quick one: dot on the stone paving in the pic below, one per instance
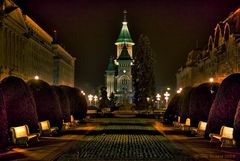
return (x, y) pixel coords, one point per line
(124, 139)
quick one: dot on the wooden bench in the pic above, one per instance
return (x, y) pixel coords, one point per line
(73, 122)
(177, 123)
(46, 129)
(200, 130)
(91, 113)
(187, 125)
(21, 135)
(66, 125)
(225, 137)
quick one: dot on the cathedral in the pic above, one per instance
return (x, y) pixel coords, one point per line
(118, 73)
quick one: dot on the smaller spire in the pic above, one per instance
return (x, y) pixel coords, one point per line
(125, 16)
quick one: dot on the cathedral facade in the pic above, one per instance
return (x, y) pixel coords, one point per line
(26, 50)
(118, 73)
(219, 59)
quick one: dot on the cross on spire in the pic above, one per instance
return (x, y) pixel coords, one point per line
(125, 15)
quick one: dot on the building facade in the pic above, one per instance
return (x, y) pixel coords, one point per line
(218, 60)
(118, 74)
(26, 50)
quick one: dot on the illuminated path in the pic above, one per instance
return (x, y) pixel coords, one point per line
(124, 139)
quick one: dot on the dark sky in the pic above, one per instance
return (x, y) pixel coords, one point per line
(89, 28)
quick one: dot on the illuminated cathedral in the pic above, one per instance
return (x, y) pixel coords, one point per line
(118, 73)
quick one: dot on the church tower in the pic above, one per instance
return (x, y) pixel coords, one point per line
(124, 38)
(118, 74)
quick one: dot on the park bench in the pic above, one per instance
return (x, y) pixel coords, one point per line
(46, 129)
(177, 123)
(91, 112)
(186, 126)
(66, 125)
(21, 135)
(225, 137)
(73, 122)
(200, 130)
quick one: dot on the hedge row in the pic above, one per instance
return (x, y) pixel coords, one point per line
(27, 103)
(219, 105)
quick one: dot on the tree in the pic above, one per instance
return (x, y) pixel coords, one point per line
(20, 104)
(78, 102)
(200, 102)
(4, 124)
(225, 104)
(64, 102)
(112, 102)
(104, 101)
(143, 68)
(47, 102)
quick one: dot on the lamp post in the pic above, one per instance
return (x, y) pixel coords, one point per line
(83, 93)
(211, 80)
(90, 98)
(158, 96)
(167, 95)
(95, 100)
(36, 77)
(179, 90)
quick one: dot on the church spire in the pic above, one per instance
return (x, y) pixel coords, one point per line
(124, 36)
(125, 16)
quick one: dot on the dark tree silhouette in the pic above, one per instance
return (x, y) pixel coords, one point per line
(225, 104)
(143, 73)
(78, 103)
(64, 102)
(112, 102)
(201, 101)
(47, 103)
(3, 124)
(20, 104)
(104, 101)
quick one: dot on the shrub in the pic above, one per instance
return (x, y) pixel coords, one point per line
(225, 104)
(47, 103)
(184, 102)
(20, 104)
(200, 102)
(172, 110)
(4, 124)
(78, 103)
(64, 103)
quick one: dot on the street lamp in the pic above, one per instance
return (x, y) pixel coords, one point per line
(90, 98)
(158, 96)
(95, 99)
(83, 93)
(167, 95)
(179, 90)
(211, 80)
(36, 77)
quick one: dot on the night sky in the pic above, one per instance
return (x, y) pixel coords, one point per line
(88, 30)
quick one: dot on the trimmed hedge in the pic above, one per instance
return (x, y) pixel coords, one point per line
(64, 102)
(47, 103)
(20, 104)
(78, 103)
(3, 124)
(225, 104)
(236, 125)
(172, 110)
(200, 102)
(184, 103)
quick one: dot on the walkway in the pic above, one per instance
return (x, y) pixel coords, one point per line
(125, 139)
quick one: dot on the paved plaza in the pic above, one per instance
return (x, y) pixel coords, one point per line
(125, 139)
(122, 139)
